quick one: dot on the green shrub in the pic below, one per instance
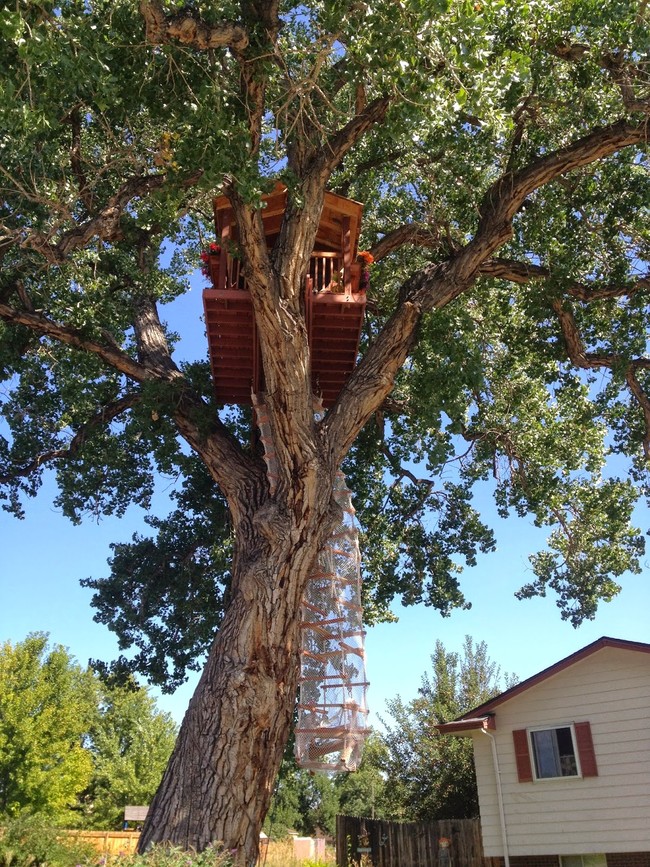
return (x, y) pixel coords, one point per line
(170, 856)
(31, 841)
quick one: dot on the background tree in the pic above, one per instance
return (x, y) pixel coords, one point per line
(284, 811)
(319, 803)
(500, 151)
(130, 742)
(365, 793)
(302, 801)
(75, 748)
(307, 803)
(429, 776)
(47, 703)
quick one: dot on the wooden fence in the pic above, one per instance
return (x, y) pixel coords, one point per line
(410, 844)
(108, 843)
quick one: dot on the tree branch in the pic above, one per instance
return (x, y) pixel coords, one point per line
(276, 287)
(253, 80)
(576, 349)
(300, 222)
(411, 233)
(579, 356)
(524, 272)
(623, 74)
(622, 71)
(196, 422)
(235, 472)
(106, 415)
(506, 196)
(85, 192)
(267, 12)
(104, 225)
(153, 349)
(642, 399)
(45, 327)
(437, 285)
(330, 155)
(190, 30)
(525, 110)
(343, 187)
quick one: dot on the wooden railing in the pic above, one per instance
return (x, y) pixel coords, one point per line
(225, 272)
(326, 273)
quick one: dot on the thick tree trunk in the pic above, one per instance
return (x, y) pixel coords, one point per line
(219, 781)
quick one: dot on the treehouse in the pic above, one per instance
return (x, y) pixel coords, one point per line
(335, 300)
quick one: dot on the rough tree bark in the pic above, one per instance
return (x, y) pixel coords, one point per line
(220, 778)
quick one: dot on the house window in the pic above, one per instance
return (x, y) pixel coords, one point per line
(551, 753)
(554, 752)
(583, 861)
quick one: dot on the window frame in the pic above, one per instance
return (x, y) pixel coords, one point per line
(524, 759)
(533, 754)
(591, 856)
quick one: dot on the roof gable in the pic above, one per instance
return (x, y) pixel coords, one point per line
(328, 236)
(600, 643)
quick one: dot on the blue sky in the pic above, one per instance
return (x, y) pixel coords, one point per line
(45, 556)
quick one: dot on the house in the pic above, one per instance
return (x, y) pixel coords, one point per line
(563, 761)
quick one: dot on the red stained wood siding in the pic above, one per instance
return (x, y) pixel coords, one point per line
(334, 306)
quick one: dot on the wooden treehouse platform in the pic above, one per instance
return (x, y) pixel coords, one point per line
(334, 302)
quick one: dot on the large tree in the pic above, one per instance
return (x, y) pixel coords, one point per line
(430, 776)
(130, 742)
(47, 706)
(499, 150)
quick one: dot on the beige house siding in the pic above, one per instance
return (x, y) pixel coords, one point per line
(609, 813)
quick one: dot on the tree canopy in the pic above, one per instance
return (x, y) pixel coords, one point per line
(430, 776)
(130, 742)
(500, 152)
(74, 748)
(532, 379)
(47, 703)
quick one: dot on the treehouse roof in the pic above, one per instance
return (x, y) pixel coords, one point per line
(330, 227)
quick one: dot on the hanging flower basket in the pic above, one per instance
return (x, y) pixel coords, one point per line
(210, 259)
(364, 261)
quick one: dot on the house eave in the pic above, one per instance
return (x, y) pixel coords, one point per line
(464, 727)
(579, 655)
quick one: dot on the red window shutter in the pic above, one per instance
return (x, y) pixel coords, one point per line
(586, 752)
(522, 756)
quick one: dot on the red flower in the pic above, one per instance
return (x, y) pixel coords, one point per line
(366, 257)
(213, 250)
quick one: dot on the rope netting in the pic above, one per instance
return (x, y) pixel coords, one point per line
(332, 711)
